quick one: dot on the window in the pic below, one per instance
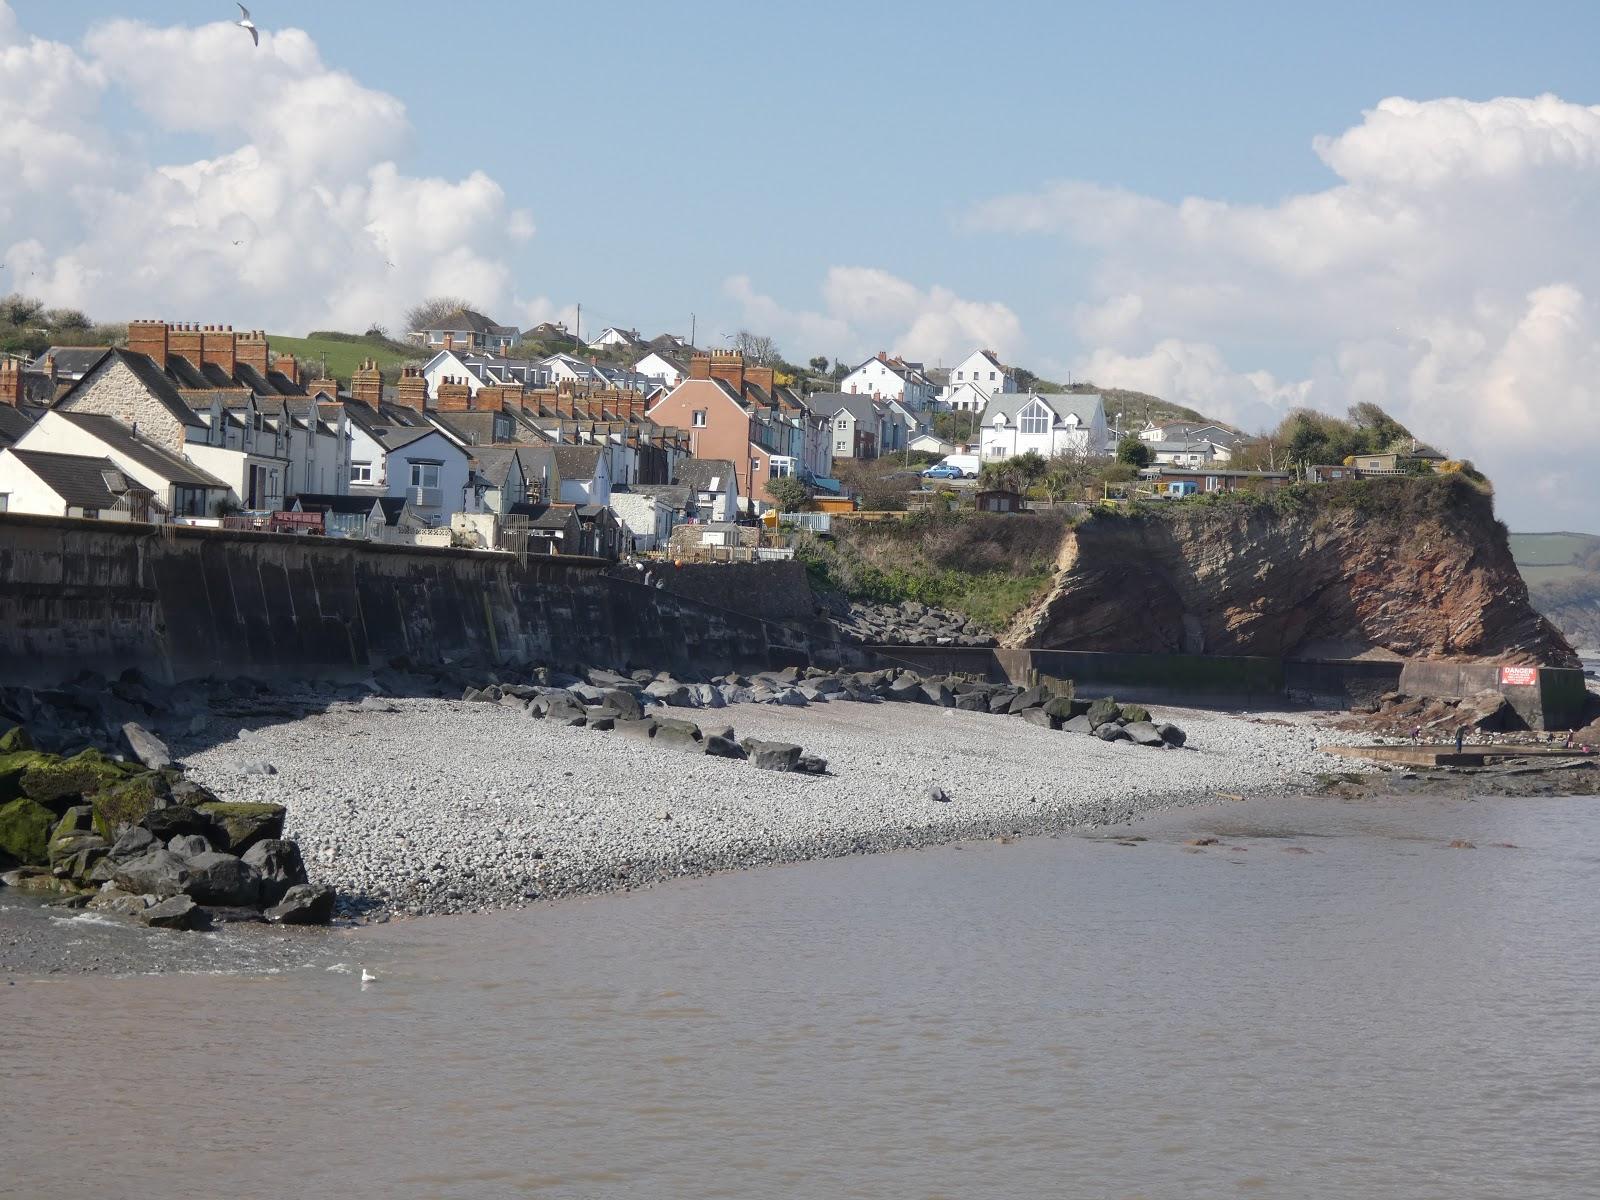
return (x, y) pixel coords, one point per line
(958, 374)
(1035, 421)
(698, 419)
(991, 375)
(188, 501)
(360, 472)
(5, 501)
(425, 474)
(841, 447)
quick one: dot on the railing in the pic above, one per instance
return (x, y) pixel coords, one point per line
(425, 497)
(814, 522)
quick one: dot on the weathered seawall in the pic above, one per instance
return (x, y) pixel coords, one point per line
(1418, 568)
(180, 603)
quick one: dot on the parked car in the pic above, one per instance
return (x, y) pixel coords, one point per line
(967, 464)
(943, 471)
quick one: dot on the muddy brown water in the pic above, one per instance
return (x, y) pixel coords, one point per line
(1382, 1016)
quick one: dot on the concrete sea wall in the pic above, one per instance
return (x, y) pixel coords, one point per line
(180, 603)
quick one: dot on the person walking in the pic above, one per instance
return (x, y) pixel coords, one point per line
(1461, 737)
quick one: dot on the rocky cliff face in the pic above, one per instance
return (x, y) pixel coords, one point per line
(1416, 568)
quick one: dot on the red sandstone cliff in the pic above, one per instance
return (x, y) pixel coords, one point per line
(1416, 567)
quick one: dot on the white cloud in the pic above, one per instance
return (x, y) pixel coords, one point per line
(866, 309)
(300, 218)
(1450, 273)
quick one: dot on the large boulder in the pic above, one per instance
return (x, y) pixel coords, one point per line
(15, 739)
(278, 864)
(1033, 697)
(624, 704)
(1103, 711)
(644, 727)
(146, 746)
(25, 827)
(679, 735)
(907, 690)
(134, 842)
(1039, 717)
(189, 845)
(1064, 708)
(1134, 713)
(937, 693)
(772, 756)
(240, 826)
(718, 746)
(1078, 724)
(57, 782)
(176, 912)
(1111, 732)
(128, 802)
(1144, 733)
(216, 878)
(1172, 735)
(168, 823)
(304, 904)
(157, 873)
(670, 692)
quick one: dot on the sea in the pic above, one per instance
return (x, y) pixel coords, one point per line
(1394, 998)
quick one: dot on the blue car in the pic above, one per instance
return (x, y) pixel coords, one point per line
(943, 472)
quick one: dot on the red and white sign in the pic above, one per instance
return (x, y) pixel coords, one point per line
(1519, 676)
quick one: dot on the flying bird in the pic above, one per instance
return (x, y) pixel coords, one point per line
(247, 24)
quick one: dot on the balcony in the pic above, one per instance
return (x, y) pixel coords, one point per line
(425, 497)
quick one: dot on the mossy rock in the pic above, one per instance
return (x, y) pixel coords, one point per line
(57, 779)
(16, 739)
(12, 768)
(128, 802)
(1064, 708)
(25, 827)
(241, 826)
(1102, 711)
(76, 820)
(1133, 713)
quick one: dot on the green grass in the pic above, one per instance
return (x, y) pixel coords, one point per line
(345, 352)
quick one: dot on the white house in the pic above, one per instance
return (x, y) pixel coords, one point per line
(647, 519)
(713, 486)
(612, 336)
(983, 370)
(657, 365)
(180, 485)
(964, 397)
(477, 369)
(468, 330)
(73, 485)
(885, 378)
(419, 463)
(1015, 423)
(585, 474)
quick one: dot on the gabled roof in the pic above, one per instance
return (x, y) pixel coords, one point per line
(119, 439)
(71, 360)
(80, 481)
(674, 495)
(398, 438)
(577, 462)
(466, 320)
(389, 506)
(14, 422)
(494, 463)
(859, 406)
(1083, 405)
(147, 373)
(547, 516)
(706, 474)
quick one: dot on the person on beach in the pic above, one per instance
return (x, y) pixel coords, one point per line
(1416, 735)
(1461, 737)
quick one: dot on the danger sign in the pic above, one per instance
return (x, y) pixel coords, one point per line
(1519, 676)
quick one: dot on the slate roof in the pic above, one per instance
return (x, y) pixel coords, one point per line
(1083, 405)
(119, 439)
(391, 506)
(74, 361)
(466, 320)
(78, 479)
(828, 404)
(547, 516)
(398, 438)
(14, 422)
(494, 463)
(674, 495)
(577, 462)
(706, 474)
(146, 372)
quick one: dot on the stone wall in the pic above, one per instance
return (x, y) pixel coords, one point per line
(180, 602)
(773, 591)
(112, 390)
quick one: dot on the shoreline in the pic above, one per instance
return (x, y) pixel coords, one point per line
(436, 807)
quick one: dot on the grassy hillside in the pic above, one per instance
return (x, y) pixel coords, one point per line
(1137, 407)
(988, 566)
(1562, 571)
(345, 352)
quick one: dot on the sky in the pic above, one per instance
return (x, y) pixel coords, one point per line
(1242, 207)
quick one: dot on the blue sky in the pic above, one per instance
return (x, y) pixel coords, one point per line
(1131, 193)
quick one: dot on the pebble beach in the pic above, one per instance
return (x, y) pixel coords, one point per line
(441, 806)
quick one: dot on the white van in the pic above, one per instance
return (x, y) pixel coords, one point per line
(967, 464)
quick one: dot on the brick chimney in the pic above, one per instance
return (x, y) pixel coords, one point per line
(494, 399)
(412, 390)
(728, 366)
(453, 395)
(184, 340)
(10, 382)
(323, 387)
(700, 366)
(883, 356)
(366, 384)
(219, 347)
(286, 366)
(251, 349)
(762, 377)
(149, 337)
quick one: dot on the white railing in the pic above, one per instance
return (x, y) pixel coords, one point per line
(815, 522)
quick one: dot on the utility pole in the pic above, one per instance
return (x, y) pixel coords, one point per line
(578, 334)
(692, 320)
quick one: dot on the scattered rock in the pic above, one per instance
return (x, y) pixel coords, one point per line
(937, 795)
(241, 826)
(178, 912)
(304, 904)
(146, 746)
(1143, 733)
(25, 827)
(158, 873)
(772, 756)
(278, 865)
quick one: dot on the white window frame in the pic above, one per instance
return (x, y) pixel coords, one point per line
(422, 468)
(1034, 421)
(360, 472)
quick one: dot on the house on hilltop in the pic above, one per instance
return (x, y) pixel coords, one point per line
(466, 329)
(1048, 424)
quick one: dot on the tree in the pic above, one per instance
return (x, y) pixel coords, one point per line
(432, 310)
(788, 493)
(819, 365)
(378, 331)
(757, 347)
(1134, 451)
(17, 309)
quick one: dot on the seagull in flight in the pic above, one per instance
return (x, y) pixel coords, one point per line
(247, 24)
